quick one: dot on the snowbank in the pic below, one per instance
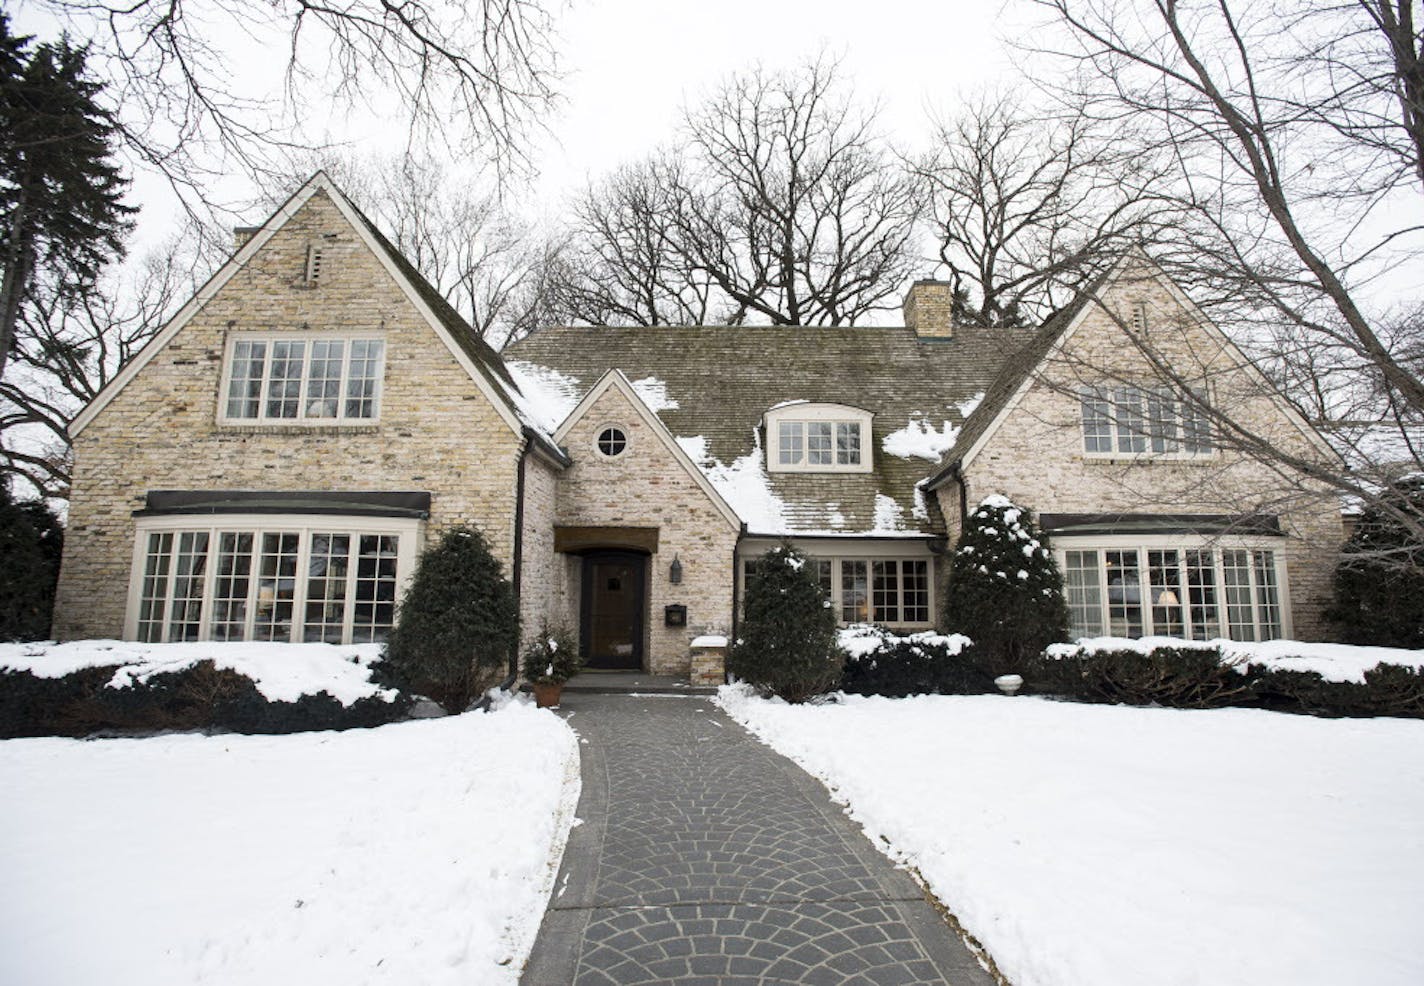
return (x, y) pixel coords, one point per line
(421, 852)
(1333, 662)
(1112, 846)
(282, 672)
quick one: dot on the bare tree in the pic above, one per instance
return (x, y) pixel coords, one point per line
(1295, 133)
(781, 205)
(1025, 209)
(472, 74)
(459, 232)
(71, 344)
(623, 263)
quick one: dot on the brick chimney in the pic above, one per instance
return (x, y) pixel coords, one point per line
(929, 309)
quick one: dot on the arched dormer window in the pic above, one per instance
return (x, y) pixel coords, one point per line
(807, 437)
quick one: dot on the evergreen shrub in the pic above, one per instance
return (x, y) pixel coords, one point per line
(1379, 581)
(551, 656)
(459, 624)
(1004, 591)
(787, 641)
(199, 697)
(918, 664)
(31, 542)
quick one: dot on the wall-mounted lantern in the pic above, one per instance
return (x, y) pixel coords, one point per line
(675, 571)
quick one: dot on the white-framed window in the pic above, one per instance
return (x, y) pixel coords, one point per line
(302, 378)
(286, 578)
(1169, 589)
(805, 437)
(1126, 420)
(890, 591)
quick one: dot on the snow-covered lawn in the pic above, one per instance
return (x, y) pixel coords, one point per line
(1090, 845)
(420, 852)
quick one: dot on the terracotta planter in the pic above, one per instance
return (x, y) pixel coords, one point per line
(546, 694)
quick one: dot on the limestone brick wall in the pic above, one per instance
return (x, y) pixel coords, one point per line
(544, 592)
(647, 487)
(1036, 458)
(436, 431)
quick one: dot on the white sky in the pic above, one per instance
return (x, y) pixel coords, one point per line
(629, 66)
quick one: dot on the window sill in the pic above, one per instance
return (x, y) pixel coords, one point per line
(1148, 458)
(348, 428)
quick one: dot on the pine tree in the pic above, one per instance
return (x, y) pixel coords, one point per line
(787, 643)
(1005, 591)
(31, 541)
(458, 625)
(60, 191)
(1379, 582)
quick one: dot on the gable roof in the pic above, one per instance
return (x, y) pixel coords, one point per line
(1017, 373)
(472, 352)
(615, 380)
(721, 380)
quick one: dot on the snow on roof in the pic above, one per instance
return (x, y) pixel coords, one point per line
(544, 396)
(696, 448)
(919, 439)
(966, 408)
(889, 515)
(747, 490)
(654, 394)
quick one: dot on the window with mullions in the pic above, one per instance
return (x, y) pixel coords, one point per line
(269, 585)
(1197, 593)
(893, 591)
(1154, 421)
(294, 379)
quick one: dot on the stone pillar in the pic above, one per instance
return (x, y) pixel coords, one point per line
(709, 660)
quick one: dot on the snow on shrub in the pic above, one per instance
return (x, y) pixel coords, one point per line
(787, 645)
(879, 662)
(1283, 675)
(1005, 591)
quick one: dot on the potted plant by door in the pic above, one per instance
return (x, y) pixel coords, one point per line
(550, 659)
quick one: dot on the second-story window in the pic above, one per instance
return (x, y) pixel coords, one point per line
(1154, 421)
(292, 378)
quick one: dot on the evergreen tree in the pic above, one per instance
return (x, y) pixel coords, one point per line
(31, 541)
(1379, 582)
(458, 625)
(60, 192)
(787, 643)
(1005, 591)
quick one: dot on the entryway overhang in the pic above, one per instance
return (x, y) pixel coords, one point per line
(577, 540)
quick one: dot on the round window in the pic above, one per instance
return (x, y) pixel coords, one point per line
(612, 441)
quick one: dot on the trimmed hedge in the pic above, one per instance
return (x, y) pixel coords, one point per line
(920, 664)
(198, 697)
(1202, 678)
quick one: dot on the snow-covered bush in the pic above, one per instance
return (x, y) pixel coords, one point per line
(787, 645)
(199, 695)
(458, 626)
(1198, 675)
(1379, 582)
(551, 656)
(1005, 591)
(879, 662)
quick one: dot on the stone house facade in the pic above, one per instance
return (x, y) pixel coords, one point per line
(272, 464)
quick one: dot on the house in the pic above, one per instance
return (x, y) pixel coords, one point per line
(271, 464)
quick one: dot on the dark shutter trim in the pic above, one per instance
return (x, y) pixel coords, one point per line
(406, 504)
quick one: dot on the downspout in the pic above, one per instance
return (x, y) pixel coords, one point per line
(516, 569)
(737, 582)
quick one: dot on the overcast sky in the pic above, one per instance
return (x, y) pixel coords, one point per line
(629, 65)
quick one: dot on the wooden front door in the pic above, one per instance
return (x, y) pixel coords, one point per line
(613, 610)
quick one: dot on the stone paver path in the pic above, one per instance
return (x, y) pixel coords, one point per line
(704, 857)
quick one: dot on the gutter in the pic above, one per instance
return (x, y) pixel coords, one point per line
(516, 566)
(737, 583)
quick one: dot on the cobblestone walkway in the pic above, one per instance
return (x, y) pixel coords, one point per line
(704, 857)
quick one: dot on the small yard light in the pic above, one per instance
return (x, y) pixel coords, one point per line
(675, 571)
(1009, 684)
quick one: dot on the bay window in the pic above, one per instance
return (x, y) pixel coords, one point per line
(270, 578)
(1197, 593)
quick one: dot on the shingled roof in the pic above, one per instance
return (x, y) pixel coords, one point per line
(723, 379)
